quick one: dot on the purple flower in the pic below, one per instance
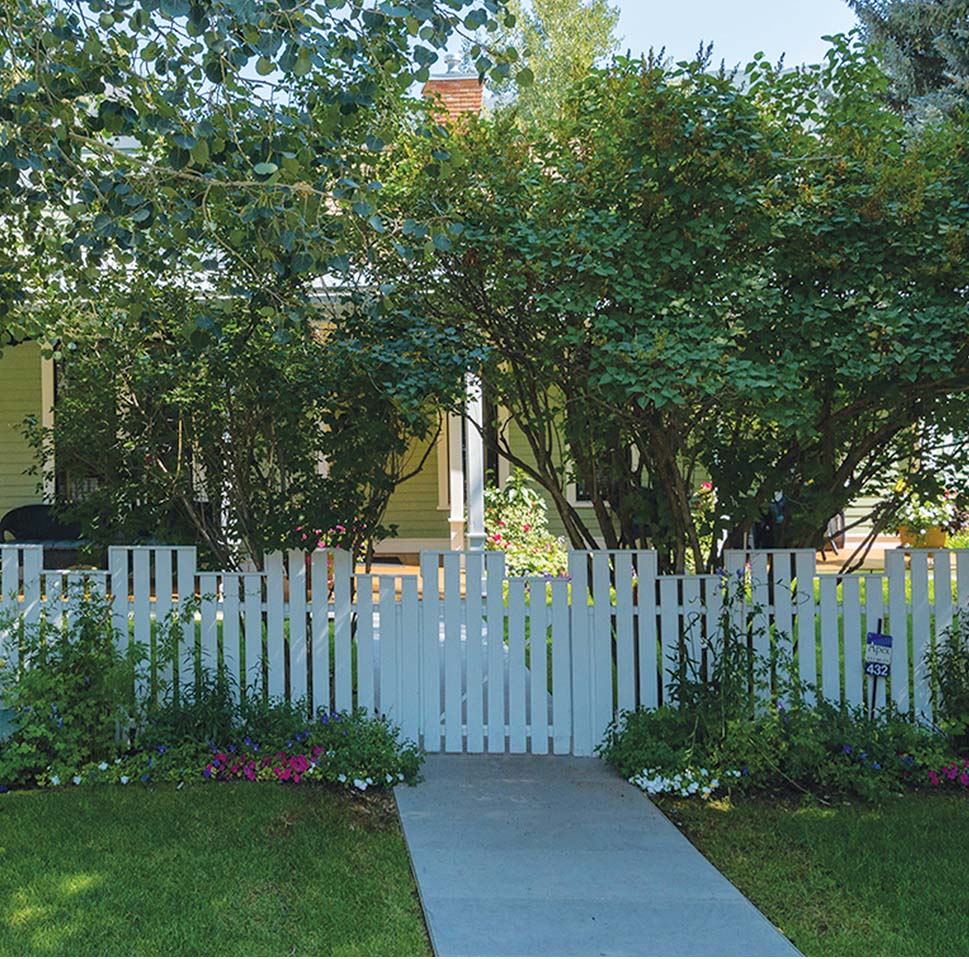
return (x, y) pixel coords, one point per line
(144, 778)
(847, 749)
(206, 773)
(4, 789)
(161, 750)
(876, 766)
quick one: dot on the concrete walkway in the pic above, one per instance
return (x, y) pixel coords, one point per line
(546, 856)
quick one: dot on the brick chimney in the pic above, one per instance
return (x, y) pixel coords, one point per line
(455, 92)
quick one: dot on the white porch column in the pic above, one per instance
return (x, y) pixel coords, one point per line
(455, 461)
(474, 441)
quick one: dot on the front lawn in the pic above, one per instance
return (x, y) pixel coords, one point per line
(235, 869)
(850, 878)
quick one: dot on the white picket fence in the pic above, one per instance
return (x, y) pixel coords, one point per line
(465, 658)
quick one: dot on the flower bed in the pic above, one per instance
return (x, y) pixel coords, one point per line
(352, 750)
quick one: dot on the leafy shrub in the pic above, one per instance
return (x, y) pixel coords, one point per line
(949, 669)
(516, 522)
(70, 699)
(74, 699)
(736, 729)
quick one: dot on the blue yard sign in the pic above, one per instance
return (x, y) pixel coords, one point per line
(878, 654)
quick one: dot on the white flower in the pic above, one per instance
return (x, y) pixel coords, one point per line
(400, 776)
(389, 778)
(76, 780)
(361, 784)
(118, 760)
(55, 780)
(102, 766)
(342, 778)
(124, 780)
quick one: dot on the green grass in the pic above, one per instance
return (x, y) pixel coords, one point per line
(849, 879)
(205, 870)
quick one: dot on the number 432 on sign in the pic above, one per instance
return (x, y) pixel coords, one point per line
(878, 654)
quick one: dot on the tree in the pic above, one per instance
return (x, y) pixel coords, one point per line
(183, 184)
(223, 432)
(125, 123)
(924, 47)
(559, 41)
(678, 280)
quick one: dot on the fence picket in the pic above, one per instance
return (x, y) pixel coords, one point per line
(669, 614)
(9, 603)
(54, 603)
(164, 672)
(118, 571)
(410, 659)
(495, 633)
(452, 653)
(807, 640)
(582, 741)
(898, 625)
(185, 651)
(320, 631)
(561, 669)
(761, 612)
(252, 603)
(601, 643)
(208, 642)
(388, 689)
(538, 666)
(474, 643)
(430, 653)
(830, 644)
(874, 618)
(342, 629)
(275, 636)
(649, 678)
(853, 640)
(516, 665)
(297, 625)
(625, 647)
(962, 580)
(230, 632)
(920, 632)
(781, 579)
(365, 658)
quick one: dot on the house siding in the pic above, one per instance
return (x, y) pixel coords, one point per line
(20, 396)
(413, 506)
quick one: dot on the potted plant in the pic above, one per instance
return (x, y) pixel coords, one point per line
(924, 521)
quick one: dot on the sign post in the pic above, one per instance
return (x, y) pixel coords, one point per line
(878, 660)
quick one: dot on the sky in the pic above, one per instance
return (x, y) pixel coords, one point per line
(738, 28)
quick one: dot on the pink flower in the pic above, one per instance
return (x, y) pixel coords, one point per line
(933, 777)
(952, 771)
(706, 486)
(526, 527)
(964, 779)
